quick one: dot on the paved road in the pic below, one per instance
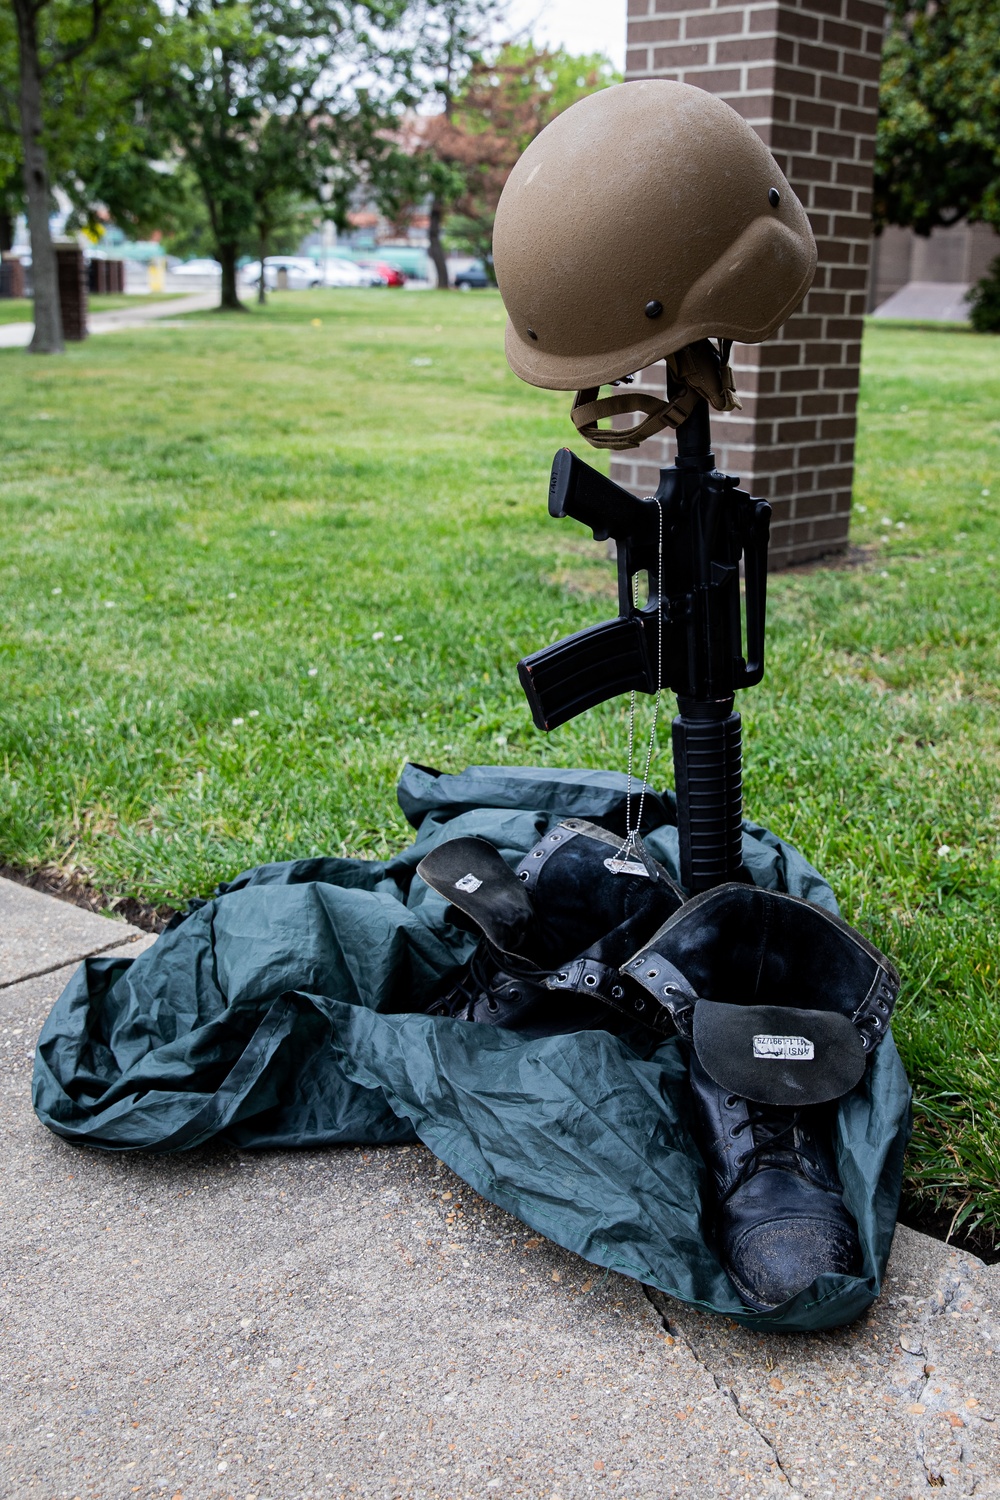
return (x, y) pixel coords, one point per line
(17, 335)
(358, 1323)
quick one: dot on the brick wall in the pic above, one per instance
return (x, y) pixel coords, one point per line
(805, 76)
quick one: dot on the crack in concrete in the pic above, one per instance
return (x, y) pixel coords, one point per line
(724, 1390)
(917, 1389)
(913, 1343)
(64, 963)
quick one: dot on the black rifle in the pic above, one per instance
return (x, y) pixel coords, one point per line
(688, 636)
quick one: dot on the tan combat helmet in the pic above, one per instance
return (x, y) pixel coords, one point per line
(645, 219)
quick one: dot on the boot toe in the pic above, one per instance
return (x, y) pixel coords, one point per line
(779, 1232)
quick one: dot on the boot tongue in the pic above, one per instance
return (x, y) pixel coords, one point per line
(475, 878)
(778, 1054)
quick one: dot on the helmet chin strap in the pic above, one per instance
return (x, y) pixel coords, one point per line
(702, 370)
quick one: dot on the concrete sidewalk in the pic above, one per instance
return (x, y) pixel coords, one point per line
(358, 1323)
(18, 335)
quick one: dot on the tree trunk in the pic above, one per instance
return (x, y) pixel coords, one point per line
(262, 284)
(230, 301)
(48, 335)
(435, 247)
(6, 231)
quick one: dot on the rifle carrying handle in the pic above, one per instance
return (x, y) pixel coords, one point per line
(755, 574)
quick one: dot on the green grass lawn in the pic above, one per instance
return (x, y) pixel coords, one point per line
(21, 309)
(251, 564)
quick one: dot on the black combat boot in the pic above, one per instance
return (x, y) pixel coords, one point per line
(554, 933)
(782, 1005)
(778, 1215)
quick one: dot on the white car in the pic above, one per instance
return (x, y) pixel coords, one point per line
(202, 267)
(339, 272)
(292, 273)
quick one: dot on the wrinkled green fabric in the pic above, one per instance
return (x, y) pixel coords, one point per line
(281, 1013)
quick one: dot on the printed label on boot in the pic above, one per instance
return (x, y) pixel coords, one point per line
(787, 1048)
(468, 883)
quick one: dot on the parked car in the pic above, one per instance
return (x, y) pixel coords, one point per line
(292, 273)
(337, 272)
(473, 276)
(387, 275)
(200, 267)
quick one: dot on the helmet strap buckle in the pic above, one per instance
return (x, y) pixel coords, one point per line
(701, 370)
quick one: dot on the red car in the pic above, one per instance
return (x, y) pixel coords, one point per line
(389, 275)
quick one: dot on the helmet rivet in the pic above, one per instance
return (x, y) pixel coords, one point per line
(654, 308)
(773, 197)
(533, 335)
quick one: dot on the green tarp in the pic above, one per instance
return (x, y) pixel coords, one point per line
(279, 1014)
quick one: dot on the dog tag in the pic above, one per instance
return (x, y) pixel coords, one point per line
(626, 867)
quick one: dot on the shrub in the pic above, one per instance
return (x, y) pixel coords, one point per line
(984, 301)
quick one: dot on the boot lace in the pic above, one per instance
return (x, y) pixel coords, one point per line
(773, 1132)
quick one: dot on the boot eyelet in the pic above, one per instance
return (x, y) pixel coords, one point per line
(616, 992)
(492, 1005)
(731, 1100)
(515, 994)
(640, 1004)
(589, 980)
(522, 874)
(670, 989)
(742, 1158)
(563, 977)
(652, 973)
(536, 853)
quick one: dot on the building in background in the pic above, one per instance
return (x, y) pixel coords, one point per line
(928, 277)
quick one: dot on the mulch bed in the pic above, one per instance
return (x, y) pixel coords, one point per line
(67, 886)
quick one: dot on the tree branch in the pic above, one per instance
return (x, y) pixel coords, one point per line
(69, 54)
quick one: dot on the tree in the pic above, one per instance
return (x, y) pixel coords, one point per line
(71, 84)
(290, 166)
(265, 99)
(11, 174)
(39, 55)
(461, 156)
(451, 37)
(938, 147)
(503, 106)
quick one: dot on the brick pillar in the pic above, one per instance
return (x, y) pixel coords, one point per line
(11, 278)
(804, 74)
(72, 291)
